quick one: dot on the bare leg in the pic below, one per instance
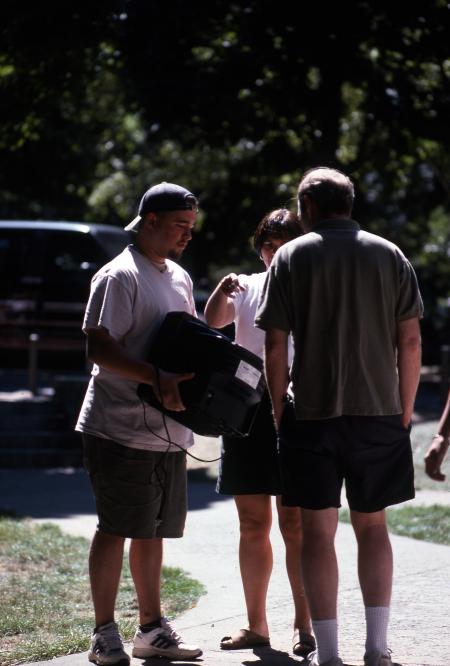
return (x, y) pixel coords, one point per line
(320, 572)
(105, 567)
(374, 557)
(375, 575)
(320, 569)
(290, 522)
(255, 556)
(145, 565)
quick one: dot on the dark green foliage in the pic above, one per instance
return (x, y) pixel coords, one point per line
(56, 62)
(235, 101)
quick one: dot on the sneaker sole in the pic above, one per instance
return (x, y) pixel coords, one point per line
(121, 662)
(169, 654)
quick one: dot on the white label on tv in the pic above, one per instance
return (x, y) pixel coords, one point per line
(248, 374)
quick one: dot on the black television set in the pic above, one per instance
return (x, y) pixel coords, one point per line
(225, 392)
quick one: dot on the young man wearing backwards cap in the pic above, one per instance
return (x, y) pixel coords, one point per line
(138, 477)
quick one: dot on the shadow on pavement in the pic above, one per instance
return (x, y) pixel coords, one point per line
(64, 492)
(202, 490)
(163, 661)
(46, 493)
(270, 657)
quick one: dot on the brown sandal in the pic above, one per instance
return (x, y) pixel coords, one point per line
(302, 643)
(244, 639)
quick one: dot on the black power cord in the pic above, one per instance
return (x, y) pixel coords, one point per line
(159, 467)
(168, 439)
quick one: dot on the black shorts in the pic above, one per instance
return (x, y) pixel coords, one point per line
(371, 453)
(138, 494)
(249, 465)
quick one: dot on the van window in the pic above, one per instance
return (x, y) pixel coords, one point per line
(20, 262)
(70, 261)
(45, 276)
(113, 242)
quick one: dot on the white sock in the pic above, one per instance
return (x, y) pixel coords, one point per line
(326, 633)
(377, 620)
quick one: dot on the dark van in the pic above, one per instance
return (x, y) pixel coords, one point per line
(45, 274)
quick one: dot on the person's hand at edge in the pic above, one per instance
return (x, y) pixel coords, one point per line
(230, 285)
(434, 457)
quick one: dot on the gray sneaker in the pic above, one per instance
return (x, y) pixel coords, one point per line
(163, 641)
(106, 646)
(377, 658)
(311, 660)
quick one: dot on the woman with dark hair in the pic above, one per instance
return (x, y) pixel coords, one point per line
(249, 466)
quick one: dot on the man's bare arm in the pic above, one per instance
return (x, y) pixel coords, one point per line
(408, 363)
(276, 368)
(104, 350)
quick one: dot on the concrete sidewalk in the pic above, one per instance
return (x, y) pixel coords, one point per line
(419, 630)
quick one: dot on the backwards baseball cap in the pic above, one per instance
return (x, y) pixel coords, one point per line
(163, 197)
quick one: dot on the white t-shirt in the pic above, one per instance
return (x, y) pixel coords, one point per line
(245, 306)
(130, 297)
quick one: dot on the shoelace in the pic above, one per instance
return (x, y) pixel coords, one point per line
(386, 655)
(165, 624)
(110, 638)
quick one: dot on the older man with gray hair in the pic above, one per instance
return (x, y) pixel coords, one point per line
(352, 303)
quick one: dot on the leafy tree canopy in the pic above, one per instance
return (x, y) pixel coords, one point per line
(234, 100)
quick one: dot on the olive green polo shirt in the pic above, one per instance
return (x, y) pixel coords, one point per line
(341, 292)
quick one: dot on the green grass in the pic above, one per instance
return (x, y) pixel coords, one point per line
(427, 523)
(45, 604)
